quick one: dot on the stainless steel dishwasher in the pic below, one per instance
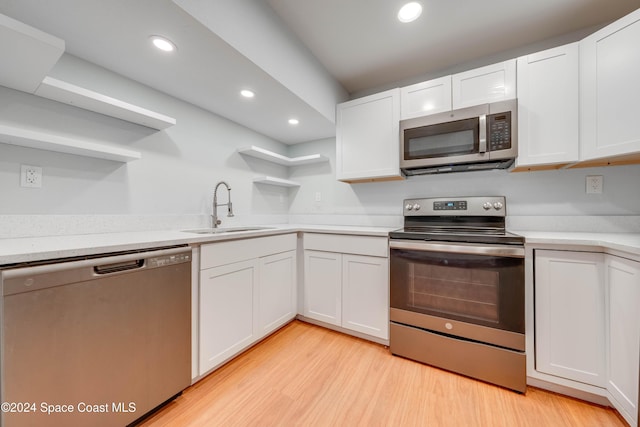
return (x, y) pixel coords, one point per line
(97, 341)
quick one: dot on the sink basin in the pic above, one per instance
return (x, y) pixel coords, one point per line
(226, 230)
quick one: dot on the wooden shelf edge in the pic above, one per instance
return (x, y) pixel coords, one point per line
(270, 156)
(275, 181)
(68, 93)
(45, 141)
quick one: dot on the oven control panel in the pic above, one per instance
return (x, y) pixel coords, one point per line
(453, 205)
(459, 206)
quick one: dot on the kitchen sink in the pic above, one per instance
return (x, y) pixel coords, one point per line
(226, 230)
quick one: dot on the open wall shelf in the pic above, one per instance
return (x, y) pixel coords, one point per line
(279, 159)
(275, 181)
(68, 93)
(61, 144)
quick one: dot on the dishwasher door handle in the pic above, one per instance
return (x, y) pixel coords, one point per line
(117, 267)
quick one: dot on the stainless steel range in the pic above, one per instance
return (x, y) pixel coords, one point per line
(457, 289)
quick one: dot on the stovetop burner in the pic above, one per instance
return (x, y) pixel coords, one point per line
(464, 219)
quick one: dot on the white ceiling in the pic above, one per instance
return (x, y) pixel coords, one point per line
(363, 45)
(359, 42)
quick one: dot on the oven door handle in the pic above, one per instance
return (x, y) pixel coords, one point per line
(493, 250)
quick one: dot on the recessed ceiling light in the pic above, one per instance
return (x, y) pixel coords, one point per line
(410, 12)
(163, 43)
(294, 121)
(247, 93)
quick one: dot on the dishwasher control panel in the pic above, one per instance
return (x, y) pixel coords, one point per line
(161, 261)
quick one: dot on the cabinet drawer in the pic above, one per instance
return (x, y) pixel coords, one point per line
(360, 245)
(222, 253)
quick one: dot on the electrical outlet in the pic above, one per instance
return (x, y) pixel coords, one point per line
(594, 184)
(30, 176)
(318, 196)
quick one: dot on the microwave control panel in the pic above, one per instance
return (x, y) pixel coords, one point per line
(499, 130)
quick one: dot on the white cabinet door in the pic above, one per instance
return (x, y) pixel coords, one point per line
(549, 107)
(227, 301)
(277, 299)
(322, 286)
(623, 299)
(569, 313)
(496, 82)
(610, 90)
(365, 294)
(430, 97)
(367, 138)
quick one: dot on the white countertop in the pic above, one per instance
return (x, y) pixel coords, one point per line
(624, 242)
(19, 250)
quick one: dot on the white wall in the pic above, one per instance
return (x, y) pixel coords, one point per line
(176, 175)
(181, 165)
(544, 193)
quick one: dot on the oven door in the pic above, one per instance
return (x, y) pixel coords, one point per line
(468, 290)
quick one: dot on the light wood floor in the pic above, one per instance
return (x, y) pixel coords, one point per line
(305, 375)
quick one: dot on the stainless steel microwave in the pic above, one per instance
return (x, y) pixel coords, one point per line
(475, 138)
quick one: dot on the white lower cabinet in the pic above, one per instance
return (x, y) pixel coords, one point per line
(247, 290)
(365, 294)
(569, 309)
(346, 282)
(322, 286)
(227, 303)
(277, 295)
(587, 324)
(623, 338)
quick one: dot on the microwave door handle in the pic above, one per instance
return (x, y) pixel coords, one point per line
(483, 134)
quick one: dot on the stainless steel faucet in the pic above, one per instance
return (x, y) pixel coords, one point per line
(229, 206)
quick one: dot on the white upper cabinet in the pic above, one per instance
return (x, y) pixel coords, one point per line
(610, 90)
(548, 108)
(28, 54)
(367, 138)
(496, 82)
(430, 97)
